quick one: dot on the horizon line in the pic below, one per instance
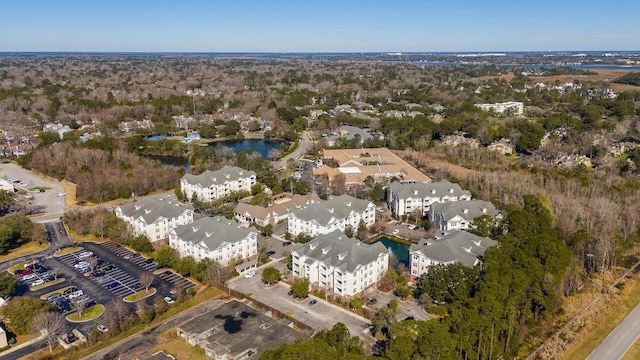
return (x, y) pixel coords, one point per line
(382, 52)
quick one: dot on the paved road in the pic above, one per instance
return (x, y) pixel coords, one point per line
(620, 339)
(321, 316)
(305, 145)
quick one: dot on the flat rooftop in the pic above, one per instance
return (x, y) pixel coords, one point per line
(380, 163)
(235, 327)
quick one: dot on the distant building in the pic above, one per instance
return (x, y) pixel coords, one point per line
(215, 238)
(236, 331)
(404, 198)
(447, 247)
(213, 185)
(6, 186)
(334, 214)
(154, 218)
(348, 133)
(503, 146)
(277, 210)
(460, 139)
(459, 215)
(358, 164)
(339, 264)
(516, 107)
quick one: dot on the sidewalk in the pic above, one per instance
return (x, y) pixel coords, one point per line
(18, 347)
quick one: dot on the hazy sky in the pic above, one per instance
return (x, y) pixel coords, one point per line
(318, 26)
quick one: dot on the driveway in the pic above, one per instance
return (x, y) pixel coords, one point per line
(275, 244)
(321, 316)
(404, 232)
(53, 205)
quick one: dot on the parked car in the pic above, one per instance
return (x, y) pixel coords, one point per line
(28, 277)
(113, 285)
(395, 232)
(169, 300)
(286, 243)
(372, 302)
(37, 282)
(102, 328)
(397, 223)
(85, 254)
(75, 294)
(250, 274)
(80, 264)
(313, 302)
(70, 290)
(60, 194)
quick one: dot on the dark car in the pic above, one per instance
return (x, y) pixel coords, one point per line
(70, 290)
(286, 243)
(372, 302)
(271, 252)
(113, 284)
(290, 292)
(313, 302)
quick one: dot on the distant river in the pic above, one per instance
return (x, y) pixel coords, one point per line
(260, 146)
(533, 66)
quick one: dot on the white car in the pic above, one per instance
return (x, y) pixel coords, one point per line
(102, 328)
(60, 194)
(80, 265)
(395, 232)
(85, 254)
(37, 283)
(250, 274)
(169, 300)
(75, 294)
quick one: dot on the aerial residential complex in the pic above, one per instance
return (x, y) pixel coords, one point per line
(339, 264)
(154, 218)
(516, 107)
(405, 198)
(459, 215)
(277, 210)
(216, 238)
(334, 214)
(213, 185)
(447, 247)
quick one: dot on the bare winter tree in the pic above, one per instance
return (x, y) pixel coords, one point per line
(146, 279)
(92, 262)
(80, 306)
(51, 325)
(100, 222)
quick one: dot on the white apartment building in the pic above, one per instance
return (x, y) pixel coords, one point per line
(405, 198)
(516, 107)
(154, 218)
(459, 215)
(334, 214)
(447, 247)
(213, 185)
(338, 264)
(216, 238)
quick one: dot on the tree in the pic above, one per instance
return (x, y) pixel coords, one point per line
(6, 202)
(146, 279)
(217, 273)
(303, 238)
(92, 262)
(80, 306)
(19, 312)
(271, 275)
(8, 284)
(384, 319)
(300, 288)
(99, 223)
(51, 325)
(166, 256)
(348, 230)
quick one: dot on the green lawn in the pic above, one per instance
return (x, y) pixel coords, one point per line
(59, 291)
(16, 267)
(26, 249)
(140, 295)
(67, 250)
(87, 315)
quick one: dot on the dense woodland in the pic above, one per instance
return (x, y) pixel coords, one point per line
(564, 227)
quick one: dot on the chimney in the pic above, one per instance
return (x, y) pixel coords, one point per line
(466, 211)
(484, 210)
(415, 192)
(433, 191)
(450, 191)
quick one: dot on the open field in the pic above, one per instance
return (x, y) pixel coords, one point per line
(601, 76)
(618, 308)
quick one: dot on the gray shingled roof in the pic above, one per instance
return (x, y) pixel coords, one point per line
(151, 209)
(339, 207)
(468, 210)
(351, 133)
(338, 250)
(218, 177)
(455, 245)
(213, 232)
(422, 190)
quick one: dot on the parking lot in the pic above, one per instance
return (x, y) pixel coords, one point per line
(53, 205)
(276, 247)
(320, 316)
(406, 230)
